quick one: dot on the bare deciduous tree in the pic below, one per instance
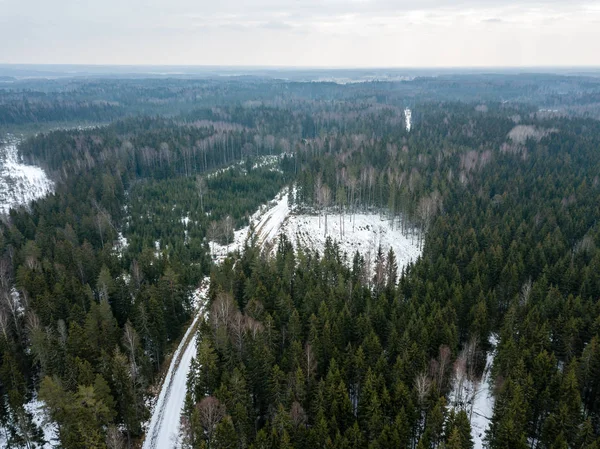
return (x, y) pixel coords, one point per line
(525, 292)
(310, 361)
(443, 363)
(9, 301)
(228, 230)
(222, 314)
(4, 323)
(114, 438)
(213, 233)
(211, 412)
(422, 386)
(460, 375)
(5, 270)
(318, 192)
(202, 189)
(136, 274)
(298, 415)
(131, 340)
(326, 201)
(254, 327)
(238, 330)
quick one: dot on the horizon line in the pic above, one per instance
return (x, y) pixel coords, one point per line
(323, 67)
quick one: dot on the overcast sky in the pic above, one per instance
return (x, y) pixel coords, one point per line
(348, 33)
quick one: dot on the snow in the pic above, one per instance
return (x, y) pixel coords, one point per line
(16, 303)
(268, 223)
(163, 429)
(40, 419)
(120, 245)
(126, 278)
(408, 115)
(199, 295)
(270, 161)
(476, 396)
(267, 220)
(19, 183)
(223, 170)
(362, 232)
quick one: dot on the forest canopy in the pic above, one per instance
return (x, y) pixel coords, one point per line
(301, 348)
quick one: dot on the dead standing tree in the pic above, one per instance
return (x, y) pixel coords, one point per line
(228, 230)
(427, 209)
(202, 190)
(326, 201)
(318, 192)
(213, 235)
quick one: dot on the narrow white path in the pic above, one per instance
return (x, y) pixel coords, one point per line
(163, 430)
(483, 407)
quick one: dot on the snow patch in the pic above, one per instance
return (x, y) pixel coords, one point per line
(270, 162)
(200, 295)
(360, 232)
(476, 396)
(120, 245)
(408, 118)
(521, 133)
(363, 232)
(40, 418)
(19, 183)
(16, 303)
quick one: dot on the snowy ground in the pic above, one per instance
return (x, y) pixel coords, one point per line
(408, 115)
(476, 397)
(20, 183)
(259, 162)
(41, 420)
(120, 245)
(362, 232)
(163, 429)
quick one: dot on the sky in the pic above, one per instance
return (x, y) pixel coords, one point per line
(310, 33)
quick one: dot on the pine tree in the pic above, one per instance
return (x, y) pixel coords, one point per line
(225, 436)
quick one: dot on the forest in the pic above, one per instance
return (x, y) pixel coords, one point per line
(301, 348)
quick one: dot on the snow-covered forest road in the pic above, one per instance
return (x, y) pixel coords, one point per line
(363, 232)
(164, 425)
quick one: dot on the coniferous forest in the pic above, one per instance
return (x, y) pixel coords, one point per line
(301, 348)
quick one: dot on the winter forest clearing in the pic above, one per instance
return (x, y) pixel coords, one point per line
(364, 233)
(20, 183)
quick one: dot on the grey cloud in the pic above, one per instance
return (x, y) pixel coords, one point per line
(276, 25)
(242, 31)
